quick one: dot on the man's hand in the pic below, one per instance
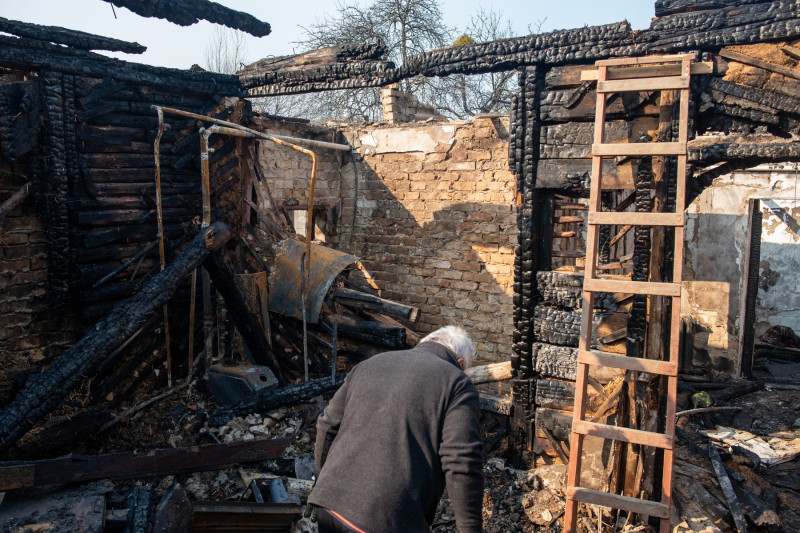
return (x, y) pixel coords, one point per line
(311, 512)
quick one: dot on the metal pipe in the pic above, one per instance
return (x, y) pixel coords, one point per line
(309, 215)
(205, 175)
(192, 305)
(334, 354)
(161, 254)
(219, 122)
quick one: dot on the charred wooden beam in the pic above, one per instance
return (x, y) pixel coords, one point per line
(374, 332)
(73, 38)
(188, 12)
(671, 7)
(45, 391)
(332, 54)
(742, 23)
(268, 399)
(29, 54)
(363, 301)
(246, 323)
(128, 465)
(755, 152)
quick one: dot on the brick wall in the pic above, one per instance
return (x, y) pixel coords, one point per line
(29, 335)
(434, 223)
(288, 172)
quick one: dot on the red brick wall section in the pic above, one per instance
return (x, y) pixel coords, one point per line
(434, 222)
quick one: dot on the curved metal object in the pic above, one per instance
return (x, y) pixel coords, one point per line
(285, 282)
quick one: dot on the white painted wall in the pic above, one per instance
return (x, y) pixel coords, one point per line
(715, 256)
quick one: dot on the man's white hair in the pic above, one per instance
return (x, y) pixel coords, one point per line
(456, 339)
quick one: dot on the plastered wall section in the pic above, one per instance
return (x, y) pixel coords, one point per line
(715, 258)
(778, 301)
(430, 211)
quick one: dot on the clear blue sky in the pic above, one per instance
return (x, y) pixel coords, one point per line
(177, 46)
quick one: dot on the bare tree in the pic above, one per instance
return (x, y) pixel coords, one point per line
(226, 52)
(406, 27)
(460, 95)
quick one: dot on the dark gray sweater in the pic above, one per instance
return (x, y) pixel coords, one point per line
(402, 424)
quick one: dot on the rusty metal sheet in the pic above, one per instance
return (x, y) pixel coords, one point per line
(285, 281)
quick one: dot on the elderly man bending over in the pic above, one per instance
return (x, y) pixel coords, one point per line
(402, 425)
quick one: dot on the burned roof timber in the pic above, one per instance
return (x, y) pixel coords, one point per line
(670, 7)
(702, 30)
(73, 38)
(34, 54)
(188, 12)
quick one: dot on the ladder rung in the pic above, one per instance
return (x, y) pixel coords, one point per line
(643, 84)
(645, 60)
(638, 149)
(633, 287)
(634, 436)
(633, 505)
(613, 218)
(595, 357)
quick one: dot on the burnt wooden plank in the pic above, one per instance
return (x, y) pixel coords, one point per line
(128, 465)
(72, 38)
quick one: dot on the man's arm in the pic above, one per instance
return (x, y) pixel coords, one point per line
(328, 425)
(461, 453)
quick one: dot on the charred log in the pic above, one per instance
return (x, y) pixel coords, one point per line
(268, 399)
(374, 332)
(73, 38)
(29, 54)
(188, 12)
(46, 390)
(362, 301)
(671, 7)
(246, 323)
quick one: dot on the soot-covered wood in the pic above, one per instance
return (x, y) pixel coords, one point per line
(73, 38)
(188, 12)
(45, 391)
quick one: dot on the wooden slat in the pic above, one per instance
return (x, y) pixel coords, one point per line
(634, 436)
(635, 287)
(645, 60)
(594, 357)
(644, 84)
(648, 72)
(638, 149)
(615, 501)
(613, 218)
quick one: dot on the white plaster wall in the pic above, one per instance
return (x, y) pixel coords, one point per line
(714, 259)
(778, 302)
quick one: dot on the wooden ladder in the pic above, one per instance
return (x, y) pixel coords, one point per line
(663, 73)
